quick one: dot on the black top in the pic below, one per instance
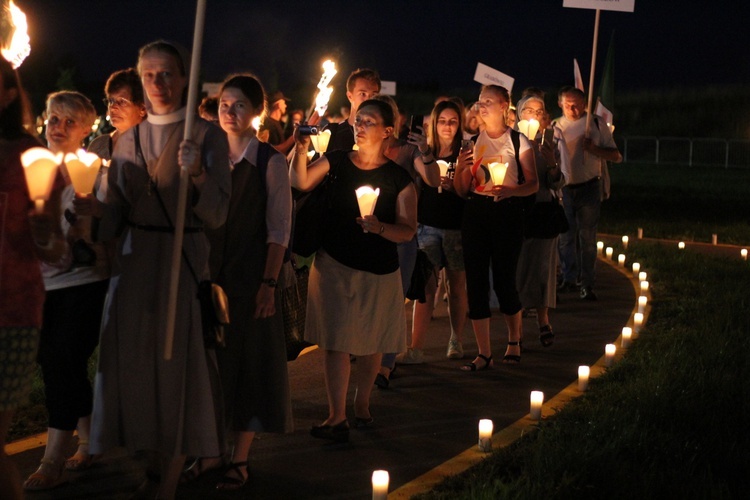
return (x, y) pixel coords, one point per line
(342, 136)
(442, 210)
(275, 130)
(343, 238)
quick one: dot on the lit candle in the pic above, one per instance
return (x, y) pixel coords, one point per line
(625, 240)
(621, 260)
(642, 301)
(83, 169)
(583, 377)
(714, 239)
(642, 276)
(743, 253)
(599, 247)
(638, 321)
(609, 252)
(485, 435)
(636, 268)
(537, 399)
(529, 128)
(367, 197)
(681, 245)
(444, 166)
(627, 335)
(40, 168)
(320, 141)
(640, 233)
(380, 481)
(644, 286)
(609, 354)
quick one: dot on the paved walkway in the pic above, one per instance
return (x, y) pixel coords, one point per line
(426, 423)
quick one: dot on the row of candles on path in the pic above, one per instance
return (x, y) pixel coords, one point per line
(680, 245)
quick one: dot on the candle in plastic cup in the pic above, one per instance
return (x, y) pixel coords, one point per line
(681, 245)
(497, 172)
(743, 253)
(642, 276)
(380, 479)
(621, 260)
(609, 252)
(636, 268)
(529, 128)
(367, 197)
(642, 301)
(714, 239)
(599, 247)
(625, 240)
(638, 321)
(40, 167)
(640, 233)
(83, 169)
(583, 377)
(485, 435)
(444, 166)
(627, 335)
(320, 141)
(609, 354)
(536, 399)
(644, 286)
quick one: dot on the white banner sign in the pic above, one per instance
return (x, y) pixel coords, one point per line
(618, 5)
(387, 88)
(490, 76)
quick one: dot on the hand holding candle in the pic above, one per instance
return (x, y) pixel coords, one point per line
(83, 169)
(367, 197)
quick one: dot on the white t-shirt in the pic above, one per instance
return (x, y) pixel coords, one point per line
(500, 150)
(584, 167)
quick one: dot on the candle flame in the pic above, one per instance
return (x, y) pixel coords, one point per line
(324, 91)
(19, 48)
(255, 123)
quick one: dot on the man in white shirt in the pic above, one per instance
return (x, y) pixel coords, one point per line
(582, 190)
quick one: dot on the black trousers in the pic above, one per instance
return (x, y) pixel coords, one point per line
(492, 233)
(70, 333)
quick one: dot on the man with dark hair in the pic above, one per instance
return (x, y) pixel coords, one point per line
(582, 191)
(362, 84)
(272, 122)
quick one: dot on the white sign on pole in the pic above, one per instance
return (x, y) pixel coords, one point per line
(490, 76)
(211, 88)
(387, 88)
(618, 5)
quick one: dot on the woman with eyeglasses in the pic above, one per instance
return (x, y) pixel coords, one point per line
(357, 265)
(492, 228)
(146, 399)
(76, 286)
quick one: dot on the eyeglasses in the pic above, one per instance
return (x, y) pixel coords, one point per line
(537, 112)
(117, 101)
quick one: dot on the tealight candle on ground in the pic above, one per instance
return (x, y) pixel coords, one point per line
(583, 377)
(609, 354)
(621, 260)
(714, 239)
(610, 251)
(625, 240)
(640, 233)
(644, 286)
(627, 335)
(636, 268)
(642, 276)
(642, 301)
(743, 253)
(599, 247)
(638, 321)
(681, 245)
(380, 481)
(485, 435)
(537, 399)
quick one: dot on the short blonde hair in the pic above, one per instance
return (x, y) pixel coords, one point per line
(72, 104)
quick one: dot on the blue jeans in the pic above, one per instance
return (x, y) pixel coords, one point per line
(578, 255)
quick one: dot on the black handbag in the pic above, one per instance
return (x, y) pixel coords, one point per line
(546, 220)
(310, 212)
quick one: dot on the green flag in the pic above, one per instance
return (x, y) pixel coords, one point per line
(607, 84)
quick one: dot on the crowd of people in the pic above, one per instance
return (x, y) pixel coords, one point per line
(94, 268)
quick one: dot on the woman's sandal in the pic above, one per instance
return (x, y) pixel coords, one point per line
(512, 359)
(81, 460)
(546, 335)
(472, 367)
(198, 468)
(48, 475)
(231, 483)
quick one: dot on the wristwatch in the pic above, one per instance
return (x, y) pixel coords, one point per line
(269, 282)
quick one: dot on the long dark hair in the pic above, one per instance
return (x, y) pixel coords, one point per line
(15, 119)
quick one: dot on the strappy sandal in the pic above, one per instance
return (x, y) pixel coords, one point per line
(512, 359)
(43, 478)
(81, 460)
(198, 468)
(472, 367)
(228, 483)
(546, 335)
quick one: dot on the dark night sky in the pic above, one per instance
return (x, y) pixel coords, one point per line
(431, 43)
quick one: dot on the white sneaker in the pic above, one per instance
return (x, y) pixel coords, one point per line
(455, 349)
(410, 357)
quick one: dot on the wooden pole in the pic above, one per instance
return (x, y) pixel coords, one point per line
(589, 111)
(179, 227)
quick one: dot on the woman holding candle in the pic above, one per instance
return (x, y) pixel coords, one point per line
(357, 264)
(143, 401)
(76, 286)
(440, 212)
(246, 260)
(24, 240)
(492, 227)
(537, 265)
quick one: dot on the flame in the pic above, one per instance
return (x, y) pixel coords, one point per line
(324, 91)
(19, 47)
